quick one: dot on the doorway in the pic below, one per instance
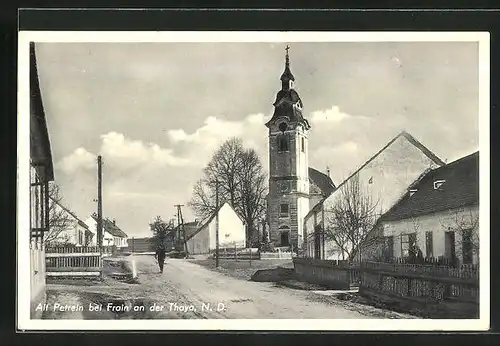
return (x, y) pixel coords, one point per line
(449, 245)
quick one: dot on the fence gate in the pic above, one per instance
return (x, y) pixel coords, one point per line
(68, 262)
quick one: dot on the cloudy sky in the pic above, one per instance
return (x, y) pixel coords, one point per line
(156, 111)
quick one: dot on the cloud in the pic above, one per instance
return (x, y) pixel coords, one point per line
(128, 152)
(332, 115)
(80, 158)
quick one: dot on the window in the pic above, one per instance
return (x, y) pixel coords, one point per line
(408, 242)
(80, 237)
(467, 246)
(283, 210)
(282, 143)
(438, 184)
(285, 235)
(388, 247)
(428, 245)
(303, 144)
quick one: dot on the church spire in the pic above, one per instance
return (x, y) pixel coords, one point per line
(287, 75)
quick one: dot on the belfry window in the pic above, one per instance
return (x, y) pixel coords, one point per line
(302, 145)
(283, 143)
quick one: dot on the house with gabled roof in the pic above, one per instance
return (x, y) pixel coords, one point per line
(385, 176)
(113, 235)
(438, 215)
(201, 237)
(72, 230)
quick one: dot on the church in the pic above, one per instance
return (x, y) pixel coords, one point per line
(299, 195)
(293, 186)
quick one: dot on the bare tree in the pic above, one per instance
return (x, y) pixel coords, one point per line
(59, 219)
(160, 231)
(351, 218)
(241, 181)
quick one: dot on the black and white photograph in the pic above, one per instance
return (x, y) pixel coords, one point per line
(253, 180)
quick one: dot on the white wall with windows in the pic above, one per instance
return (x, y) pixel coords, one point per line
(447, 234)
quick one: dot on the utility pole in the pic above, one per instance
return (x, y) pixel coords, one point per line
(216, 223)
(99, 202)
(180, 222)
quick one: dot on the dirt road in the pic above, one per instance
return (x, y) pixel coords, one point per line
(187, 290)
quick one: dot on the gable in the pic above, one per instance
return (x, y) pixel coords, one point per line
(387, 175)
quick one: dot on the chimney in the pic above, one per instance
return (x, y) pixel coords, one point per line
(328, 171)
(114, 221)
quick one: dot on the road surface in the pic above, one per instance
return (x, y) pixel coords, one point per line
(187, 290)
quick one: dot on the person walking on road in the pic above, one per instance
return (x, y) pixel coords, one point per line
(160, 257)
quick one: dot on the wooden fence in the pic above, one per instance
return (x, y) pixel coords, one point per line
(74, 261)
(421, 282)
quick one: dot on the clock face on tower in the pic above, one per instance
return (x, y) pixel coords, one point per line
(282, 127)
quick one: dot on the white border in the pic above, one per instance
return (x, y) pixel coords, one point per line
(23, 302)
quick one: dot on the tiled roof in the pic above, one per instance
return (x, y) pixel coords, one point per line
(459, 189)
(110, 227)
(322, 181)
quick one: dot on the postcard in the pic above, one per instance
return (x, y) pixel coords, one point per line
(253, 181)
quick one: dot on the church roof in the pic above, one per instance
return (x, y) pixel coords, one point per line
(460, 188)
(322, 181)
(287, 73)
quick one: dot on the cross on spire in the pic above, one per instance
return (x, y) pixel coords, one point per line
(287, 48)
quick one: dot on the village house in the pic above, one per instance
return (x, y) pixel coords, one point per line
(385, 177)
(201, 239)
(439, 215)
(41, 173)
(113, 235)
(73, 230)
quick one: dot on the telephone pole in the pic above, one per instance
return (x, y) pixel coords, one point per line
(180, 224)
(216, 223)
(99, 202)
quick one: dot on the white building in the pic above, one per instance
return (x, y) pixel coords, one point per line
(385, 177)
(439, 215)
(231, 232)
(75, 231)
(113, 235)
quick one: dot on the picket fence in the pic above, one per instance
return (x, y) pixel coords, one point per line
(69, 262)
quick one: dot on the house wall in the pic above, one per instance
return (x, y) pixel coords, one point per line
(392, 172)
(200, 243)
(438, 224)
(71, 234)
(231, 229)
(92, 224)
(37, 280)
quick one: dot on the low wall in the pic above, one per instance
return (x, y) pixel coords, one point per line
(275, 255)
(432, 291)
(325, 273)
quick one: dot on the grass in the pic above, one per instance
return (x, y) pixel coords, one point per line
(242, 269)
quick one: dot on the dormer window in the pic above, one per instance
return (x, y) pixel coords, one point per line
(412, 192)
(438, 184)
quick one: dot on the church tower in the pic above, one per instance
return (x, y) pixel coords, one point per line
(288, 199)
